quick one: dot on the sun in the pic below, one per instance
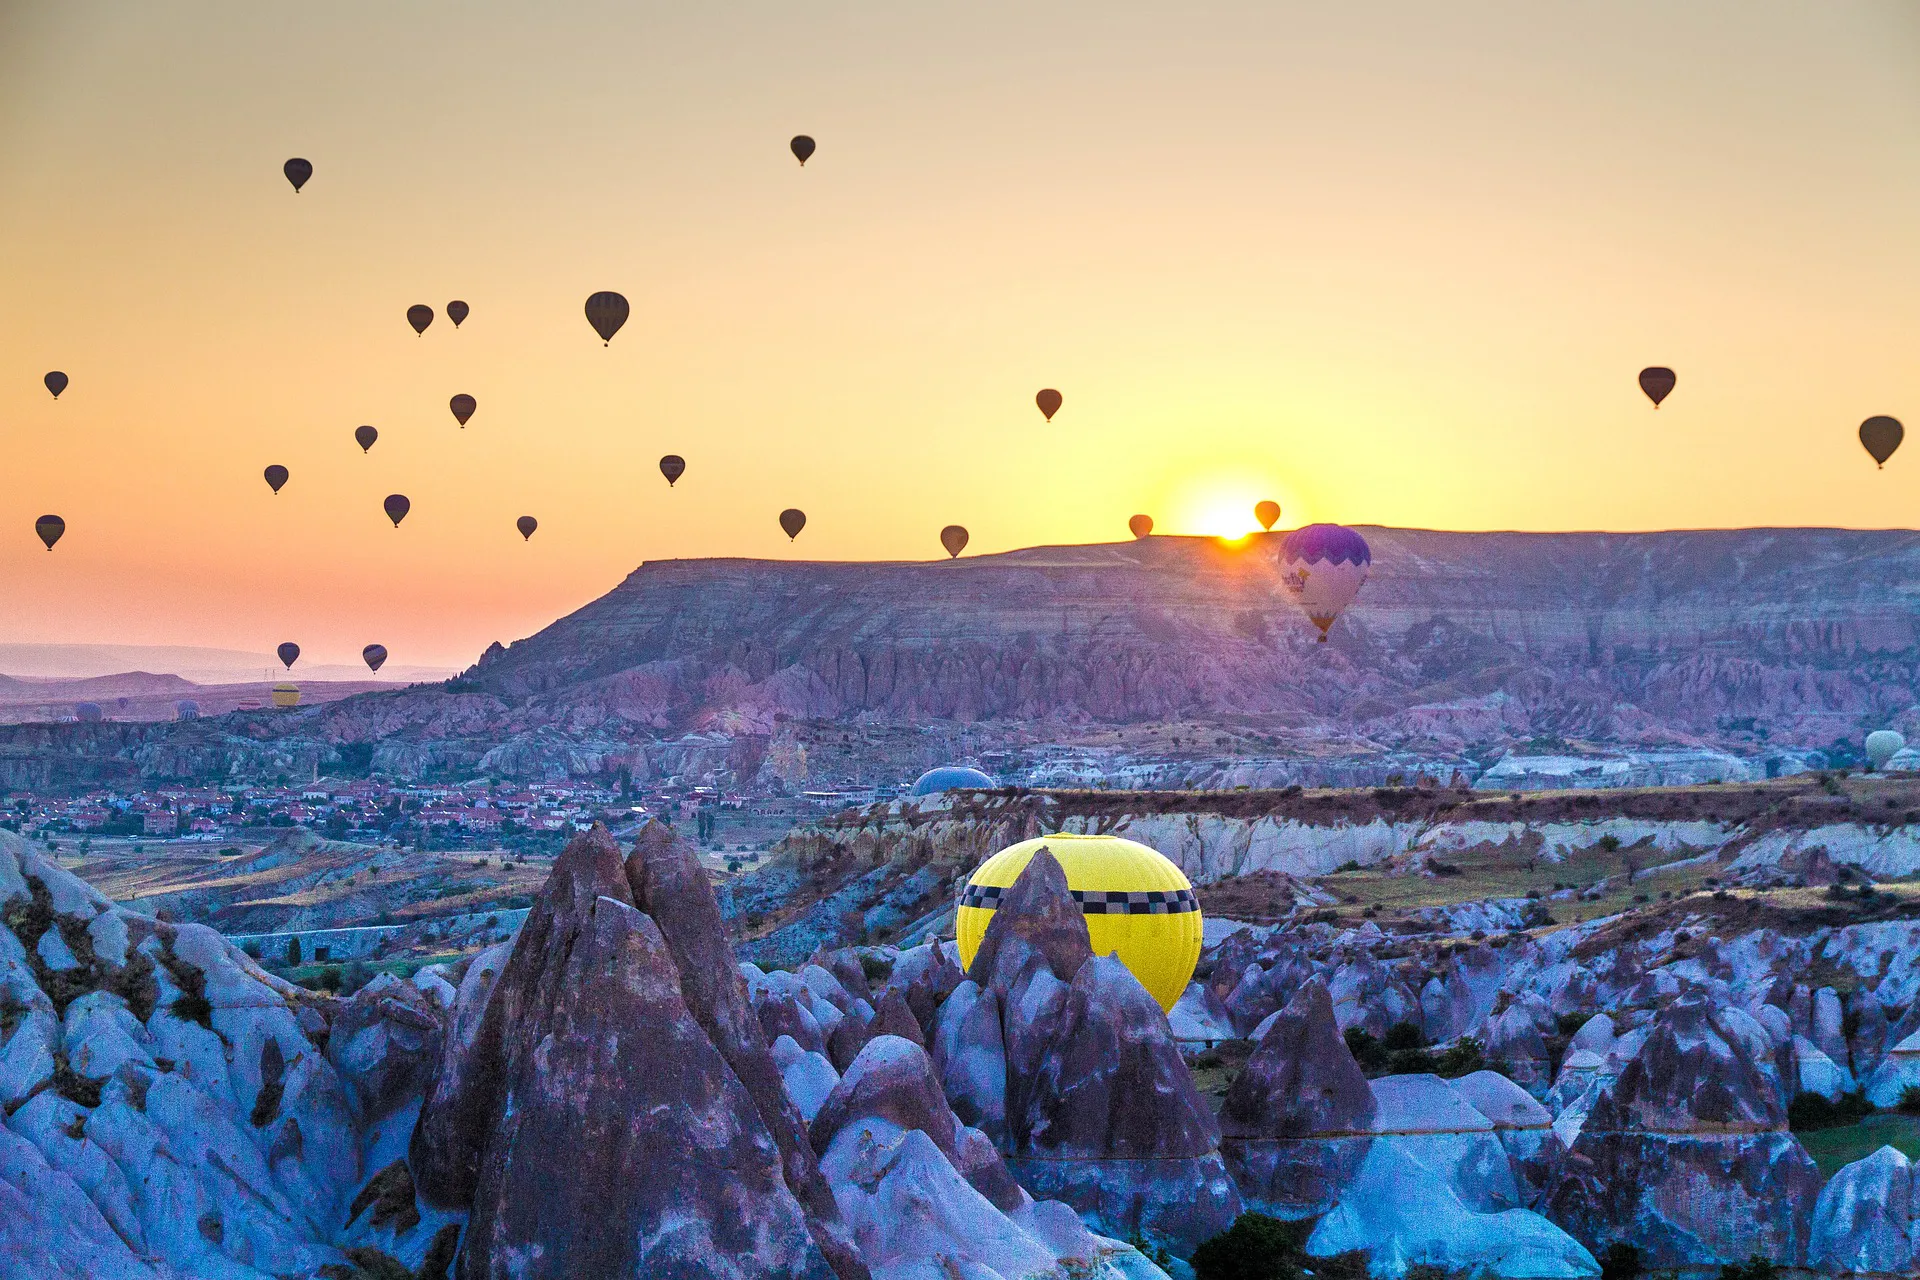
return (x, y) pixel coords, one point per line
(1230, 520)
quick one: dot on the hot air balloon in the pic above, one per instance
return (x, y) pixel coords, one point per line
(673, 466)
(374, 655)
(526, 525)
(456, 312)
(802, 148)
(297, 171)
(286, 696)
(364, 437)
(276, 477)
(606, 312)
(396, 507)
(1140, 526)
(419, 315)
(186, 709)
(88, 712)
(49, 528)
(56, 382)
(289, 654)
(792, 521)
(954, 539)
(1881, 436)
(1882, 746)
(463, 406)
(1657, 382)
(1323, 567)
(1136, 905)
(1266, 512)
(949, 777)
(1049, 402)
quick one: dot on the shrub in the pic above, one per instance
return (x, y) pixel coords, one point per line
(1754, 1268)
(1621, 1261)
(1462, 1058)
(1610, 843)
(1910, 1100)
(1813, 1111)
(1351, 864)
(1568, 1023)
(1367, 1051)
(1255, 1247)
(1404, 1035)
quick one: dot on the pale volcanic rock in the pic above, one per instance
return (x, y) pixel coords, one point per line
(1432, 1123)
(971, 1057)
(1863, 1221)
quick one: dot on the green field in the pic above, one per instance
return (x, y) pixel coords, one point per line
(1832, 1148)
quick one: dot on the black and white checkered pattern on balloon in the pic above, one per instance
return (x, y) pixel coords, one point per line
(1100, 902)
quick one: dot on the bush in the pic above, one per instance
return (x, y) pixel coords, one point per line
(1404, 1035)
(1568, 1023)
(1754, 1268)
(1610, 843)
(1621, 1261)
(1463, 1058)
(1255, 1247)
(1812, 1111)
(1909, 1102)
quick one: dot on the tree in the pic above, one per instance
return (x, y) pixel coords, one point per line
(293, 951)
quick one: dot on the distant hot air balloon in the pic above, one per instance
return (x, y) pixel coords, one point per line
(276, 477)
(954, 539)
(673, 466)
(1049, 402)
(374, 655)
(802, 148)
(88, 712)
(1323, 567)
(419, 315)
(606, 312)
(792, 521)
(286, 696)
(297, 171)
(186, 709)
(526, 525)
(463, 406)
(289, 654)
(1140, 526)
(1657, 382)
(456, 312)
(364, 437)
(396, 507)
(1883, 745)
(56, 382)
(1881, 436)
(1266, 512)
(49, 528)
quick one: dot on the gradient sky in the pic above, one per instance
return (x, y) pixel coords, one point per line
(1388, 262)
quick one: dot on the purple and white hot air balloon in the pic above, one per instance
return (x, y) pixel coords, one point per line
(1323, 567)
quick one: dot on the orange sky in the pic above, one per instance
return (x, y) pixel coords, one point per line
(1394, 262)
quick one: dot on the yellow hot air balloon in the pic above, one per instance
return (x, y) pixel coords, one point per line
(286, 695)
(1137, 904)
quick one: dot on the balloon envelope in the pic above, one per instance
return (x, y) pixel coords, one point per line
(456, 312)
(419, 315)
(289, 654)
(56, 382)
(606, 312)
(954, 539)
(792, 521)
(1658, 383)
(1880, 436)
(463, 406)
(1883, 745)
(364, 437)
(1323, 567)
(374, 655)
(1140, 526)
(286, 695)
(1049, 402)
(673, 466)
(1266, 512)
(49, 528)
(396, 507)
(276, 476)
(526, 525)
(297, 171)
(802, 148)
(949, 777)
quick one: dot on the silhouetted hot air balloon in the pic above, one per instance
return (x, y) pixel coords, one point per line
(419, 315)
(364, 437)
(1266, 511)
(49, 528)
(673, 466)
(463, 406)
(1140, 526)
(396, 507)
(56, 383)
(289, 654)
(1323, 567)
(1881, 435)
(374, 655)
(1049, 402)
(1657, 382)
(297, 171)
(792, 521)
(276, 477)
(802, 148)
(954, 539)
(526, 525)
(606, 312)
(456, 312)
